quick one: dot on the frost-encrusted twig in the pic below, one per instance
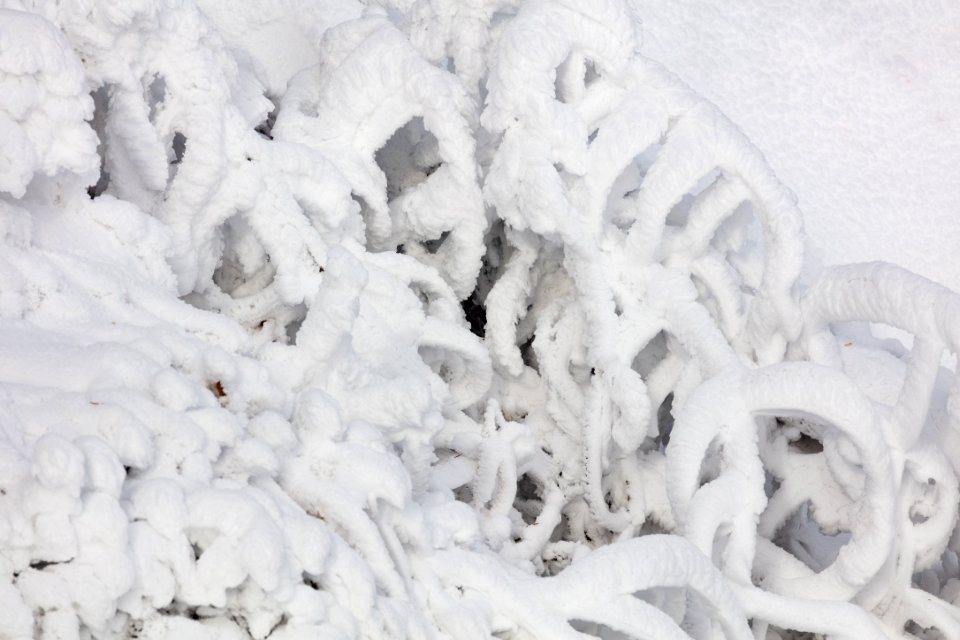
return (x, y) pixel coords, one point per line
(596, 151)
(475, 326)
(622, 587)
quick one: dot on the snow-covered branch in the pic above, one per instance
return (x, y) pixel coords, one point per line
(438, 319)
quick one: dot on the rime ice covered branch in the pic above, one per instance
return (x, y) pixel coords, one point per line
(436, 319)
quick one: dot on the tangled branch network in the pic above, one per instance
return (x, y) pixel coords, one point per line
(438, 319)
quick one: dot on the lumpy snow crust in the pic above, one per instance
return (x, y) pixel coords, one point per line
(438, 319)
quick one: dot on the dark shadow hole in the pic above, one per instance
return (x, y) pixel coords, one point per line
(155, 94)
(408, 157)
(665, 420)
(265, 128)
(101, 99)
(179, 147)
(433, 246)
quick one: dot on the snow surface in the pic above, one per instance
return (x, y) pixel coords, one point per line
(855, 105)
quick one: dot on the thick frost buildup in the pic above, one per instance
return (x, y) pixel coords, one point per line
(43, 106)
(433, 319)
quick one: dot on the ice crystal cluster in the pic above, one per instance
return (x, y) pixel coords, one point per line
(438, 319)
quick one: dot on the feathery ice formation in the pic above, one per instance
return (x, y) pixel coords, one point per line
(438, 319)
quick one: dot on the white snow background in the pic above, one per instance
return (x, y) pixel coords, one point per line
(856, 105)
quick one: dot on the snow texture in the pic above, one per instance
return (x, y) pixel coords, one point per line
(434, 319)
(855, 105)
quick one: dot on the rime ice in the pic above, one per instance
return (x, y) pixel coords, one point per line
(438, 319)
